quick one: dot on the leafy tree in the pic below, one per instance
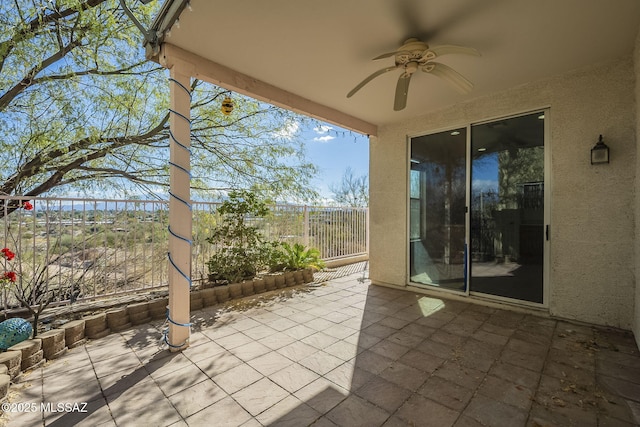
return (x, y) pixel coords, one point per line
(352, 190)
(81, 109)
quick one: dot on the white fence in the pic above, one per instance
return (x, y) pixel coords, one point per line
(84, 248)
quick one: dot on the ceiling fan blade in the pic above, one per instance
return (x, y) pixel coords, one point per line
(449, 49)
(385, 55)
(368, 79)
(402, 89)
(457, 80)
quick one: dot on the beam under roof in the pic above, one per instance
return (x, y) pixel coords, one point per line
(220, 75)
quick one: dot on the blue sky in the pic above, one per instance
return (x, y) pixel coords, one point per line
(333, 150)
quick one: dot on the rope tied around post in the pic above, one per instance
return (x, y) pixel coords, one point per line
(184, 200)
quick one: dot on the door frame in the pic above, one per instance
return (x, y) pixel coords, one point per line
(546, 263)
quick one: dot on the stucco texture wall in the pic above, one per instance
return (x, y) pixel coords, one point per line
(592, 265)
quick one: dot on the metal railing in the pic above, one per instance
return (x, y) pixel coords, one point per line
(83, 249)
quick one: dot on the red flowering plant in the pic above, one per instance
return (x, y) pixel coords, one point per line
(9, 276)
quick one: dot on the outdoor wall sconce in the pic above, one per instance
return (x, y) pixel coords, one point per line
(600, 152)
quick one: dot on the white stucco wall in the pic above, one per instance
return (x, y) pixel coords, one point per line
(592, 272)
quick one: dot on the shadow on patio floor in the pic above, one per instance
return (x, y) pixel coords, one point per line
(348, 354)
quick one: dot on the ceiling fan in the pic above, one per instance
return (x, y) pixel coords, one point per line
(416, 55)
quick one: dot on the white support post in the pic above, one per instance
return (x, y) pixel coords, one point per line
(179, 209)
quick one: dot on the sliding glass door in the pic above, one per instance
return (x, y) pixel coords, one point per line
(489, 240)
(437, 209)
(507, 208)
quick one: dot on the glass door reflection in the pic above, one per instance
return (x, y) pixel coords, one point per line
(507, 208)
(437, 209)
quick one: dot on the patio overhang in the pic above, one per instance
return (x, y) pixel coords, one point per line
(308, 57)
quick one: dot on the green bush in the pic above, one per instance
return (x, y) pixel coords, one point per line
(299, 257)
(241, 251)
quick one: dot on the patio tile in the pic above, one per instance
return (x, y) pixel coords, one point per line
(321, 362)
(465, 421)
(269, 363)
(349, 376)
(556, 416)
(165, 365)
(299, 332)
(518, 375)
(97, 414)
(389, 349)
(354, 323)
(197, 397)
(290, 412)
(245, 323)
(342, 349)
(378, 330)
(373, 362)
(527, 361)
(259, 332)
(404, 376)
(448, 338)
(225, 412)
(494, 413)
(219, 330)
(119, 382)
(339, 331)
(203, 351)
(319, 324)
(421, 411)
(393, 358)
(490, 338)
(625, 389)
(466, 377)
(405, 339)
(218, 364)
(418, 330)
(322, 395)
(422, 361)
(250, 351)
(355, 411)
(506, 392)
(384, 394)
(277, 340)
(282, 324)
(293, 377)
(302, 317)
(438, 349)
(575, 375)
(181, 379)
(127, 407)
(447, 393)
(337, 316)
(234, 340)
(297, 350)
(237, 378)
(319, 340)
(259, 396)
(114, 364)
(527, 347)
(363, 340)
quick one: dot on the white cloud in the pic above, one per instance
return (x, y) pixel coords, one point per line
(325, 138)
(484, 185)
(288, 131)
(322, 129)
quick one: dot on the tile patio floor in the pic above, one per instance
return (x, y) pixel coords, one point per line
(347, 354)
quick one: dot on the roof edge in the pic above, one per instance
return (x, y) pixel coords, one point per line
(168, 15)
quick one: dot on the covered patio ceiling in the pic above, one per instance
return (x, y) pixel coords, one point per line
(318, 51)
